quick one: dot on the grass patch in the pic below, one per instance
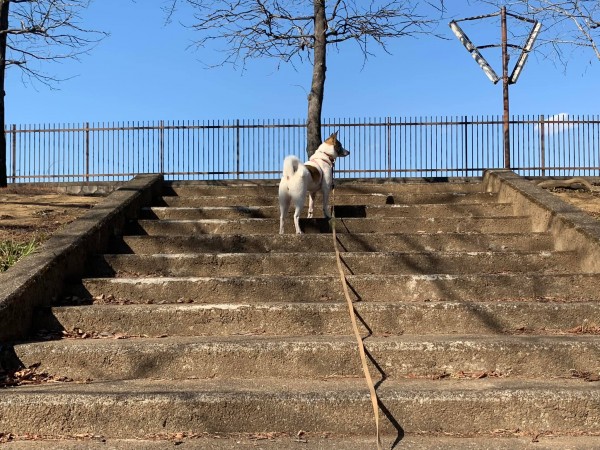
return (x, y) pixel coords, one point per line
(11, 252)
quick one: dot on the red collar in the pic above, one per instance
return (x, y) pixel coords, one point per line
(329, 160)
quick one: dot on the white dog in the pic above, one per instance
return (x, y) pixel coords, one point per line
(313, 176)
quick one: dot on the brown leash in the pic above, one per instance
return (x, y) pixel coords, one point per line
(359, 341)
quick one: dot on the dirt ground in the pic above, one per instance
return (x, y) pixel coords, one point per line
(588, 201)
(28, 213)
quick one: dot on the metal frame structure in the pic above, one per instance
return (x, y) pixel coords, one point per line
(489, 71)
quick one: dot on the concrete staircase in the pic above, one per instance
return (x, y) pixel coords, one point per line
(204, 322)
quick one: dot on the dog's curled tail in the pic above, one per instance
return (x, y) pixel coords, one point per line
(290, 166)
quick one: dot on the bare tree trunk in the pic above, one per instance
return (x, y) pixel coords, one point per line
(4, 5)
(315, 98)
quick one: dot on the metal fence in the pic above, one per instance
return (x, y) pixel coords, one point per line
(247, 149)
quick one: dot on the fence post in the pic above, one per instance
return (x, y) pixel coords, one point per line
(237, 148)
(389, 146)
(14, 153)
(466, 146)
(87, 151)
(161, 147)
(542, 145)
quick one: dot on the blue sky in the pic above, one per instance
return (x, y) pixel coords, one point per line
(145, 71)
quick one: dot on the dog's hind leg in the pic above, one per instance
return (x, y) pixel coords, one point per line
(297, 219)
(284, 206)
(311, 204)
(299, 204)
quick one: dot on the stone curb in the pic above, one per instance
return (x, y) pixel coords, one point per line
(37, 279)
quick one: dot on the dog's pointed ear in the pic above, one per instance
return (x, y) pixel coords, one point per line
(332, 139)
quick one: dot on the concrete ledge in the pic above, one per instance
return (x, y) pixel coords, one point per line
(38, 279)
(310, 441)
(571, 228)
(335, 405)
(338, 180)
(75, 188)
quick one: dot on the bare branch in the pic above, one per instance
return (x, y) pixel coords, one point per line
(567, 24)
(284, 29)
(292, 29)
(46, 31)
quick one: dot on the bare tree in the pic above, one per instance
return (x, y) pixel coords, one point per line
(290, 30)
(32, 33)
(567, 24)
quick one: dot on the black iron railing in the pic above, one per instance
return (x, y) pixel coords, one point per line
(247, 149)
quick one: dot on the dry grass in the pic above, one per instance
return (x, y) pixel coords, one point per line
(29, 215)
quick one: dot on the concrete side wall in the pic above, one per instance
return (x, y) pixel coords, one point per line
(38, 279)
(571, 228)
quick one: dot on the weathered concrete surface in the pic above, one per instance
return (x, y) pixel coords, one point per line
(310, 357)
(142, 407)
(271, 351)
(380, 263)
(38, 279)
(78, 188)
(340, 199)
(571, 227)
(306, 441)
(348, 225)
(369, 288)
(353, 186)
(301, 319)
(348, 242)
(341, 211)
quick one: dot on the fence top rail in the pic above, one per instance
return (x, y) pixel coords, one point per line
(289, 123)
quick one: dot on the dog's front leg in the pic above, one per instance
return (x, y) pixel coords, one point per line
(311, 204)
(326, 202)
(281, 222)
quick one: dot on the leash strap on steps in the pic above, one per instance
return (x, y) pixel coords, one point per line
(359, 341)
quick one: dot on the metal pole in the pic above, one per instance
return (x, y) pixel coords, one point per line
(87, 151)
(466, 145)
(14, 153)
(237, 148)
(161, 147)
(389, 146)
(505, 58)
(543, 145)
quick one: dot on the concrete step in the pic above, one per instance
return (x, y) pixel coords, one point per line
(125, 409)
(341, 211)
(327, 318)
(313, 357)
(493, 336)
(346, 186)
(238, 264)
(508, 440)
(375, 225)
(369, 288)
(355, 242)
(341, 198)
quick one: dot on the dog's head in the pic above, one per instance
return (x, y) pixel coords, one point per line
(338, 148)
